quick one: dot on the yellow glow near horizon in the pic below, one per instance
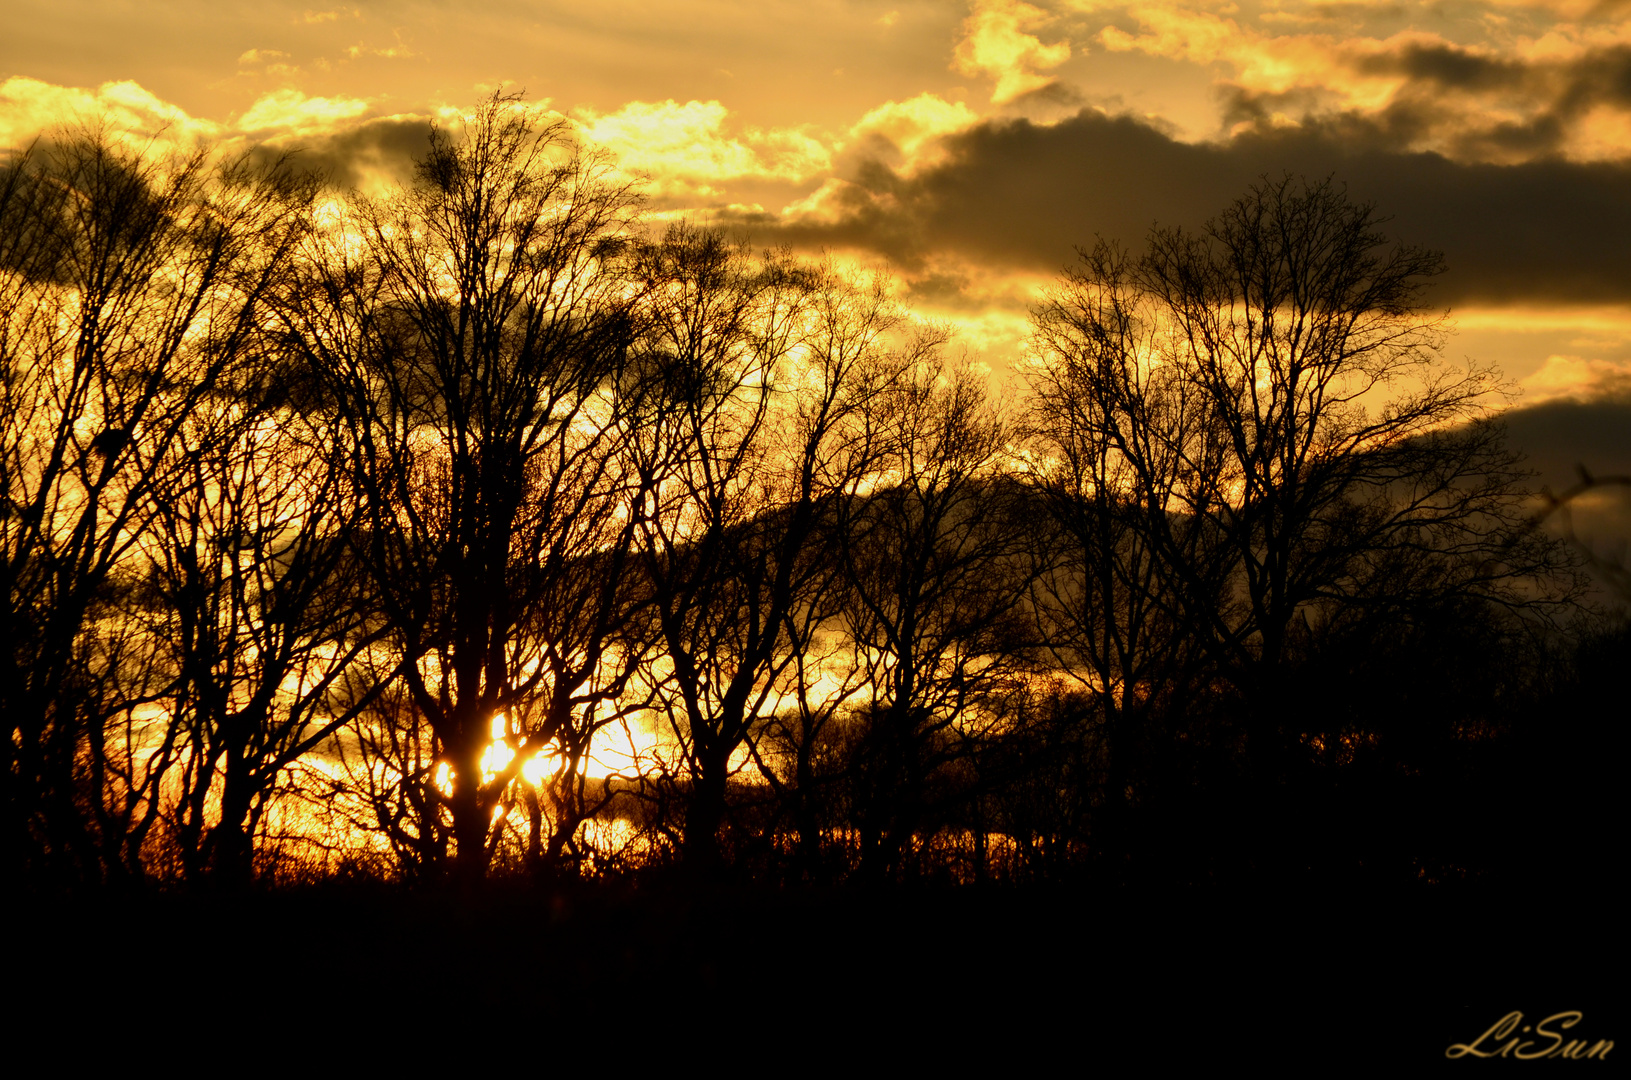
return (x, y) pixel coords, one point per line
(614, 751)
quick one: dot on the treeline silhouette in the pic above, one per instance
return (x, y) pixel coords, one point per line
(489, 529)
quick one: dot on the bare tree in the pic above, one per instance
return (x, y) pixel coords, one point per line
(1272, 397)
(132, 291)
(257, 607)
(936, 573)
(1101, 599)
(385, 782)
(754, 374)
(475, 326)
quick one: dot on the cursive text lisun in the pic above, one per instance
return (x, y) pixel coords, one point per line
(1551, 1030)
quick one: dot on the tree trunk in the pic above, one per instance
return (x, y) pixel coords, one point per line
(807, 860)
(231, 856)
(706, 813)
(470, 819)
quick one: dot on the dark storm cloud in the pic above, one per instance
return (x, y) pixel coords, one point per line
(1022, 195)
(1448, 66)
(1557, 441)
(1451, 95)
(1598, 74)
(384, 147)
(1558, 438)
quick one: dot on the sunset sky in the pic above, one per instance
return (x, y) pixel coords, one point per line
(966, 147)
(364, 546)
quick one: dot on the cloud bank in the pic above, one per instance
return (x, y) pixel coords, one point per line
(1022, 194)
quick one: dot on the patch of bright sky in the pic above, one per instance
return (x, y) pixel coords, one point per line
(1549, 352)
(727, 102)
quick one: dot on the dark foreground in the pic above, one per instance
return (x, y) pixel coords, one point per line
(675, 976)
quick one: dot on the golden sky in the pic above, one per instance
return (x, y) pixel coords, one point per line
(968, 146)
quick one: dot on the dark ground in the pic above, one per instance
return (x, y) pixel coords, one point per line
(678, 977)
(1349, 963)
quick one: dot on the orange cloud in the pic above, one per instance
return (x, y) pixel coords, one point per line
(913, 126)
(1577, 378)
(1522, 87)
(292, 111)
(30, 108)
(995, 44)
(688, 146)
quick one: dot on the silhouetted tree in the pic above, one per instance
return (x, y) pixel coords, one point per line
(257, 609)
(133, 292)
(936, 570)
(475, 325)
(753, 375)
(1099, 597)
(1273, 397)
